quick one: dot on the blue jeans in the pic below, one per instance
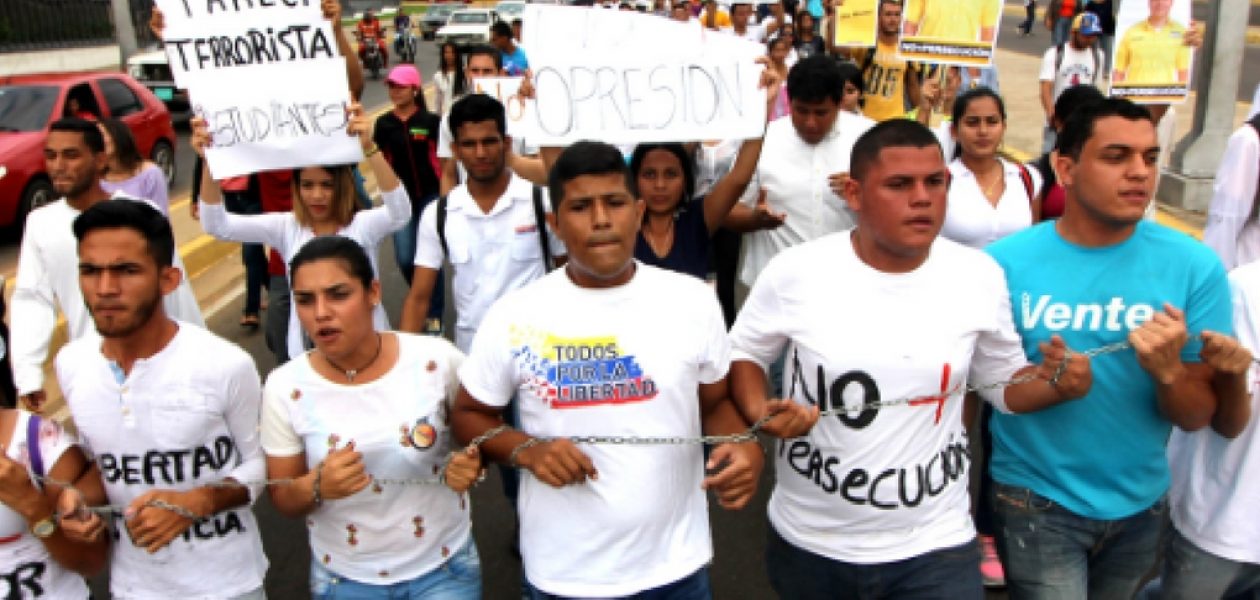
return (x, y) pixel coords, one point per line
(1062, 30)
(405, 257)
(1050, 553)
(1191, 573)
(459, 578)
(946, 574)
(692, 587)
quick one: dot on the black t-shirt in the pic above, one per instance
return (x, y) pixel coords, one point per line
(690, 252)
(411, 149)
(806, 49)
(1106, 15)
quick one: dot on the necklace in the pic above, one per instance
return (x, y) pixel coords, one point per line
(663, 242)
(988, 192)
(351, 373)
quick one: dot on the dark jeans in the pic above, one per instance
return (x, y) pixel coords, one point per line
(946, 574)
(1030, 14)
(405, 257)
(692, 587)
(1190, 573)
(1050, 553)
(276, 331)
(253, 256)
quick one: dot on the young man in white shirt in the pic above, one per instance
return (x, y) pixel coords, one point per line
(489, 232)
(1075, 62)
(872, 501)
(47, 278)
(170, 412)
(608, 346)
(799, 156)
(1233, 225)
(742, 26)
(1213, 549)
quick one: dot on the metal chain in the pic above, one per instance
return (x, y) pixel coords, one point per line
(746, 436)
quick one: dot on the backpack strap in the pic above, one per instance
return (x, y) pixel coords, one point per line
(540, 220)
(32, 447)
(1098, 62)
(1027, 179)
(441, 227)
(1058, 59)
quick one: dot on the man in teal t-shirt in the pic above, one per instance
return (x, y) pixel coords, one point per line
(1079, 488)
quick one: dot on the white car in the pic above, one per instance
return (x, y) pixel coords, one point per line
(509, 10)
(467, 27)
(151, 69)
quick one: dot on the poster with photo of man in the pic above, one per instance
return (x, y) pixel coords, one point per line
(956, 32)
(1152, 60)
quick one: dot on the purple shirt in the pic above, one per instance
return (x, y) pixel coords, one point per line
(148, 184)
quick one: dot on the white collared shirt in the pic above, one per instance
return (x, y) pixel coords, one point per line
(491, 253)
(971, 220)
(48, 281)
(1232, 229)
(794, 175)
(181, 419)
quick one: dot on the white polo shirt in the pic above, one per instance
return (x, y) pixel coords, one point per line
(972, 220)
(491, 253)
(794, 175)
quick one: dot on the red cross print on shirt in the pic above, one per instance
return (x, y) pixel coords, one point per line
(939, 400)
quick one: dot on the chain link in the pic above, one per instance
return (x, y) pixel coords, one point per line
(746, 436)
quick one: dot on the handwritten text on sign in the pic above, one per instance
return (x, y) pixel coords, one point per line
(639, 90)
(301, 120)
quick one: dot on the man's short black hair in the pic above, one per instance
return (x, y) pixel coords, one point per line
(501, 29)
(894, 133)
(91, 134)
(584, 158)
(1074, 98)
(486, 50)
(136, 215)
(1080, 126)
(476, 108)
(815, 79)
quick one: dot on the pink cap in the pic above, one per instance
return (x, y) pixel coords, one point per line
(407, 75)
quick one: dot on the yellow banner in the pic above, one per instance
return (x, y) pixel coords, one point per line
(855, 23)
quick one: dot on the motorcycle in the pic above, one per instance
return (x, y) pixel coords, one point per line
(406, 46)
(372, 59)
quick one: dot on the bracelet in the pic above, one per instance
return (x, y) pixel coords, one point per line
(530, 443)
(319, 475)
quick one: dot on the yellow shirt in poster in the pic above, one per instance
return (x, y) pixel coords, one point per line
(959, 20)
(885, 78)
(1152, 56)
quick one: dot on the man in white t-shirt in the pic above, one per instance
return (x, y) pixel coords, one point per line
(608, 347)
(47, 277)
(742, 25)
(1075, 62)
(887, 336)
(798, 157)
(1213, 550)
(170, 412)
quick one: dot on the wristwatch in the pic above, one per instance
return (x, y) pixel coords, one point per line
(44, 528)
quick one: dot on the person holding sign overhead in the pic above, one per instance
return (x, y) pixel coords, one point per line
(892, 82)
(958, 20)
(326, 204)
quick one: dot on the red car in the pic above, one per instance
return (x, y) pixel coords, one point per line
(30, 103)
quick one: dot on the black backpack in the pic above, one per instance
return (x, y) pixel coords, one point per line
(539, 218)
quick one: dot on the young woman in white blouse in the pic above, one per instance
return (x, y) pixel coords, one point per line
(990, 197)
(449, 81)
(36, 560)
(326, 205)
(358, 427)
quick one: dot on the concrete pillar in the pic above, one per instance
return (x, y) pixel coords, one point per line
(124, 30)
(1187, 182)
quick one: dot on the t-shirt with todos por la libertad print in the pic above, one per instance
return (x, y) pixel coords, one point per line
(626, 360)
(877, 485)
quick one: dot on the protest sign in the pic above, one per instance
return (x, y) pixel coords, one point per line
(856, 23)
(605, 75)
(957, 32)
(1152, 62)
(299, 120)
(266, 77)
(520, 112)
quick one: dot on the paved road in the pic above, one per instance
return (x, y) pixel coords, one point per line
(1036, 44)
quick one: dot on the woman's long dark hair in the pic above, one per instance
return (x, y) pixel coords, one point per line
(459, 84)
(684, 160)
(125, 150)
(963, 101)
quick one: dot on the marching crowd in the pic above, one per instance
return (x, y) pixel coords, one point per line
(909, 288)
